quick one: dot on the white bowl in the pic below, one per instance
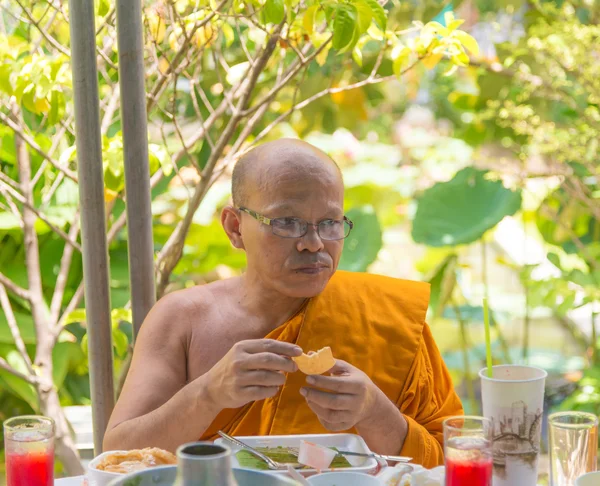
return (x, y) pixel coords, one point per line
(101, 478)
(344, 478)
(589, 479)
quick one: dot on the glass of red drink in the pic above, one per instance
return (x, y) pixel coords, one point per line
(468, 451)
(29, 449)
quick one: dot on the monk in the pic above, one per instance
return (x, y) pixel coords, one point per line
(218, 356)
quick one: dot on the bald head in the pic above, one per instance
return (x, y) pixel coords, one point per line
(266, 164)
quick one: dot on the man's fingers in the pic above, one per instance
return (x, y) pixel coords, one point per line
(341, 367)
(339, 384)
(331, 416)
(271, 346)
(263, 378)
(269, 361)
(332, 401)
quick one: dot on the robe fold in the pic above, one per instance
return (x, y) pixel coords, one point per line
(376, 324)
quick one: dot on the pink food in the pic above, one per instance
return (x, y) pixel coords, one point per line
(315, 456)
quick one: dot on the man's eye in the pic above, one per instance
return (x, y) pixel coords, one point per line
(289, 221)
(329, 222)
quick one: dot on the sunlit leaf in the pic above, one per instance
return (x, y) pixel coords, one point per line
(432, 61)
(365, 15)
(308, 20)
(467, 41)
(379, 14)
(228, 33)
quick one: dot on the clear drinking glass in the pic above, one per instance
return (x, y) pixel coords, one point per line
(573, 444)
(29, 448)
(468, 451)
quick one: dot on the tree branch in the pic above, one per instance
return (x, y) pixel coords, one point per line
(320, 94)
(15, 128)
(63, 274)
(23, 200)
(107, 119)
(42, 31)
(43, 354)
(294, 69)
(171, 252)
(6, 367)
(179, 56)
(14, 329)
(14, 288)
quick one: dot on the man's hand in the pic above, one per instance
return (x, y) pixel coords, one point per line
(345, 399)
(251, 370)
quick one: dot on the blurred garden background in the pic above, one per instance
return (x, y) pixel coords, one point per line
(467, 132)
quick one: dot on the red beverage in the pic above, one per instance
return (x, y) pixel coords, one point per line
(469, 473)
(468, 462)
(30, 468)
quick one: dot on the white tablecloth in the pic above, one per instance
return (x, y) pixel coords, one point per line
(74, 481)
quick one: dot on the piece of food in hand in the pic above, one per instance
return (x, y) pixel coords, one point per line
(315, 456)
(315, 363)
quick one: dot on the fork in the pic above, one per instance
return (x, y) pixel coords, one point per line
(295, 452)
(270, 462)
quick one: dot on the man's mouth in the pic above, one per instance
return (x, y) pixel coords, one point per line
(312, 269)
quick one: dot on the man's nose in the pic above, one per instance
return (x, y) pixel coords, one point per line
(311, 241)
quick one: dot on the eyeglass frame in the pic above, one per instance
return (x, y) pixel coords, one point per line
(269, 222)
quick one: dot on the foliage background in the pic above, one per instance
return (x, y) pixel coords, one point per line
(473, 167)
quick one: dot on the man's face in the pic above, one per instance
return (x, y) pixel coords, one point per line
(295, 267)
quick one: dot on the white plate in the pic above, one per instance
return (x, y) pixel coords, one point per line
(345, 442)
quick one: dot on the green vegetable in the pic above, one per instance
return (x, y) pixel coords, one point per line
(280, 454)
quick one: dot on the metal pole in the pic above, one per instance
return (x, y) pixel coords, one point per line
(137, 172)
(93, 222)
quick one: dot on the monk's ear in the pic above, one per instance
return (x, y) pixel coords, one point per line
(231, 221)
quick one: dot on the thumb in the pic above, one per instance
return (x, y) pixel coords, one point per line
(341, 367)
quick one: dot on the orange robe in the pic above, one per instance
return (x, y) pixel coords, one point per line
(377, 324)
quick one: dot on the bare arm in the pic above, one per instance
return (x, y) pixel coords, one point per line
(156, 407)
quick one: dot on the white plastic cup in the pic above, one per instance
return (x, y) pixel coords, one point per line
(589, 479)
(514, 400)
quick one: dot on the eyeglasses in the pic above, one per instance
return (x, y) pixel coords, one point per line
(328, 229)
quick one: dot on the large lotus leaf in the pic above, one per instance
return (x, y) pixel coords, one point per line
(461, 210)
(364, 242)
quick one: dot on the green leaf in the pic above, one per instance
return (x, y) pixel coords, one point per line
(103, 7)
(78, 315)
(462, 210)
(365, 16)
(18, 386)
(344, 26)
(308, 19)
(364, 242)
(203, 154)
(357, 56)
(274, 11)
(228, 33)
(120, 342)
(443, 283)
(467, 41)
(401, 56)
(379, 14)
(62, 355)
(5, 85)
